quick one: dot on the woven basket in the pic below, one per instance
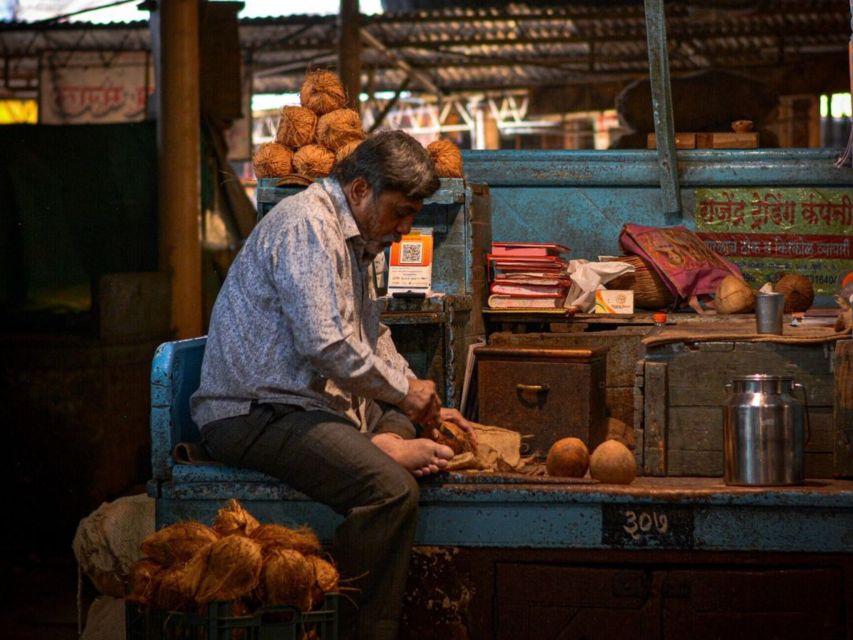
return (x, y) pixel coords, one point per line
(649, 290)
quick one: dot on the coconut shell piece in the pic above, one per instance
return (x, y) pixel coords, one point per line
(178, 542)
(338, 128)
(230, 568)
(447, 158)
(322, 92)
(272, 160)
(345, 151)
(287, 579)
(734, 296)
(567, 458)
(143, 580)
(613, 463)
(313, 161)
(271, 536)
(296, 127)
(798, 290)
(233, 519)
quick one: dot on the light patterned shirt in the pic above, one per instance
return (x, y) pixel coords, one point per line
(297, 320)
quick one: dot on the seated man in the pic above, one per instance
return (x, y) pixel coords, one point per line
(300, 379)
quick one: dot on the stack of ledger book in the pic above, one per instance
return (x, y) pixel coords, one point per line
(527, 275)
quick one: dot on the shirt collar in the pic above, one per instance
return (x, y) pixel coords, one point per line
(339, 202)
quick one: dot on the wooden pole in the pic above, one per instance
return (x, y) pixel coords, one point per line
(349, 51)
(178, 142)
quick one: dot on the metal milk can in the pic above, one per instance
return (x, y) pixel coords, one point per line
(764, 434)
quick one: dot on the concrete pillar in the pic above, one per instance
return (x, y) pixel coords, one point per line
(175, 30)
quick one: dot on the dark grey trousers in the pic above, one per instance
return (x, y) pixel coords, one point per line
(328, 459)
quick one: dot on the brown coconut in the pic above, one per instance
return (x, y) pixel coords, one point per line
(177, 542)
(339, 128)
(230, 568)
(734, 296)
(296, 127)
(287, 579)
(455, 437)
(142, 580)
(326, 578)
(346, 150)
(613, 462)
(568, 458)
(233, 519)
(271, 536)
(313, 161)
(447, 158)
(798, 290)
(322, 92)
(272, 160)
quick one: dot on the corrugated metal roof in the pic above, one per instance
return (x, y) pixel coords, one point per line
(481, 47)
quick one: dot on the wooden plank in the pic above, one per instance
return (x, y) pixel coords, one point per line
(620, 403)
(694, 463)
(698, 378)
(695, 428)
(710, 140)
(655, 419)
(843, 409)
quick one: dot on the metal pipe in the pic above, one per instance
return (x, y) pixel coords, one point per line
(662, 103)
(175, 24)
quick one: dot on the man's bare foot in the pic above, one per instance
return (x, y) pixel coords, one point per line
(420, 456)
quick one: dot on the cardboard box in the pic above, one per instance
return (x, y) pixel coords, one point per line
(614, 301)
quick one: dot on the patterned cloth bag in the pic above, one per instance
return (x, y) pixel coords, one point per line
(685, 263)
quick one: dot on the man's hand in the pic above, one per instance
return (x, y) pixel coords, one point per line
(452, 415)
(421, 403)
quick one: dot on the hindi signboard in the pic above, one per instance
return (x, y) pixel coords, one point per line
(767, 231)
(86, 87)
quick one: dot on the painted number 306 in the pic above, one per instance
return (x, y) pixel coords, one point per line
(643, 522)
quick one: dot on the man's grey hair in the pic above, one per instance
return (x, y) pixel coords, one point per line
(390, 161)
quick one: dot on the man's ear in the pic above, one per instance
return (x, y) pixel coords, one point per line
(359, 190)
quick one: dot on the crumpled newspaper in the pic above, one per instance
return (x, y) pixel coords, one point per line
(497, 450)
(587, 277)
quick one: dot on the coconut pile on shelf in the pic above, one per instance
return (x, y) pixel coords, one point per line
(189, 564)
(312, 138)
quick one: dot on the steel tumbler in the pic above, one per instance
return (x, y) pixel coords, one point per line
(768, 312)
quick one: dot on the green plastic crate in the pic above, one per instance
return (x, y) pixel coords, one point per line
(217, 622)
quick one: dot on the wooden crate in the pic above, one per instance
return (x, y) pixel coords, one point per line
(546, 393)
(683, 388)
(711, 140)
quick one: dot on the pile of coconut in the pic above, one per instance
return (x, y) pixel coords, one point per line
(189, 564)
(312, 138)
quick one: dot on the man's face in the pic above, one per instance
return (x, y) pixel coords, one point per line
(384, 219)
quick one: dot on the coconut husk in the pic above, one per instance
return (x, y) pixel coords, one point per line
(233, 519)
(322, 92)
(338, 128)
(174, 589)
(287, 578)
(230, 568)
(143, 580)
(326, 578)
(271, 536)
(313, 161)
(272, 160)
(733, 295)
(798, 290)
(296, 127)
(455, 437)
(177, 542)
(345, 151)
(447, 158)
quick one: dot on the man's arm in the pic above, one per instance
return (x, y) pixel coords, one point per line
(387, 350)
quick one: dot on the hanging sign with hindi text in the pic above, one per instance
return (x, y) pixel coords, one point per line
(768, 230)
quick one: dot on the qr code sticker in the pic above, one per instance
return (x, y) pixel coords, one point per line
(411, 252)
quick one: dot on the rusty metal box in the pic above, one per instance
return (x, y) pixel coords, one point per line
(546, 393)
